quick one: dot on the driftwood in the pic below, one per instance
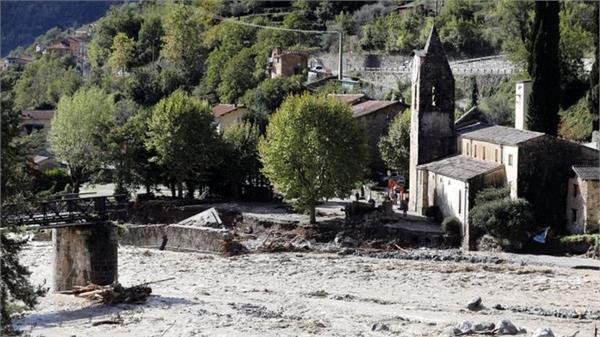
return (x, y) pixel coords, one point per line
(114, 294)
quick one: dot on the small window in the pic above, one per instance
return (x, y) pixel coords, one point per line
(467, 149)
(510, 160)
(483, 154)
(475, 151)
(574, 215)
(575, 190)
(459, 200)
(496, 155)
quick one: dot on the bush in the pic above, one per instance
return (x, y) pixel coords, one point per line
(451, 225)
(505, 219)
(491, 194)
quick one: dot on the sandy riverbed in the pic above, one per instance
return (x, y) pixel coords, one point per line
(292, 294)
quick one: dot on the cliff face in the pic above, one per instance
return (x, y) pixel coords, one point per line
(23, 21)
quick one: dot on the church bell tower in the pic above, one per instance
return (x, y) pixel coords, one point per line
(432, 134)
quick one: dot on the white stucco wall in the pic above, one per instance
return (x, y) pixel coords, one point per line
(512, 171)
(450, 195)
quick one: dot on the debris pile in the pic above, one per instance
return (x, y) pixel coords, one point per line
(112, 294)
(232, 248)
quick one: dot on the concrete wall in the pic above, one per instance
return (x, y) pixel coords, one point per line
(583, 197)
(186, 238)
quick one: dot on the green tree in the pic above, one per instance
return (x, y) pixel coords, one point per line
(243, 168)
(544, 68)
(508, 220)
(182, 134)
(237, 76)
(123, 53)
(313, 149)
(15, 285)
(270, 93)
(118, 19)
(594, 94)
(576, 122)
(150, 39)
(182, 40)
(78, 129)
(474, 97)
(43, 82)
(394, 146)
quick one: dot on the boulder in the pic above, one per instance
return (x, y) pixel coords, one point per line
(378, 326)
(475, 304)
(505, 327)
(543, 332)
(468, 327)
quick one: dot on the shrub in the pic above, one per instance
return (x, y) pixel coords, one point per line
(451, 225)
(491, 194)
(508, 220)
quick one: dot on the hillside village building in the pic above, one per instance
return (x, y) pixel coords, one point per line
(227, 115)
(450, 162)
(287, 63)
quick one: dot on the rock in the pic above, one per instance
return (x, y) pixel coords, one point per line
(448, 332)
(499, 307)
(543, 332)
(475, 304)
(505, 327)
(378, 326)
(468, 327)
(208, 218)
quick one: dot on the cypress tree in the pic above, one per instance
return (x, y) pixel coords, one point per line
(594, 88)
(543, 67)
(474, 101)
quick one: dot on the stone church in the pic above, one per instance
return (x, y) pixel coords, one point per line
(450, 161)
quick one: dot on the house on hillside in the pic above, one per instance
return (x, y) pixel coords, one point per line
(39, 121)
(227, 115)
(287, 63)
(583, 200)
(450, 161)
(20, 60)
(376, 116)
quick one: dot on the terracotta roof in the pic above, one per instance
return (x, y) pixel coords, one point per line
(460, 167)
(58, 45)
(223, 109)
(501, 135)
(348, 98)
(587, 172)
(37, 114)
(368, 107)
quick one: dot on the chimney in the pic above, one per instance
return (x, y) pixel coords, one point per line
(522, 103)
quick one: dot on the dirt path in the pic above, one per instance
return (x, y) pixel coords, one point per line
(295, 294)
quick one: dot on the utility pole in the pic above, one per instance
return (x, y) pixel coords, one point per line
(341, 50)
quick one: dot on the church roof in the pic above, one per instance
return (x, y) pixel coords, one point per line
(587, 172)
(502, 135)
(460, 167)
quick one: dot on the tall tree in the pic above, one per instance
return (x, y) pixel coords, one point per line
(15, 285)
(150, 39)
(544, 69)
(313, 150)
(78, 129)
(395, 145)
(182, 40)
(43, 82)
(182, 133)
(474, 99)
(593, 100)
(122, 55)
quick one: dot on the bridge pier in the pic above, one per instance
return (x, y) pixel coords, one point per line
(84, 254)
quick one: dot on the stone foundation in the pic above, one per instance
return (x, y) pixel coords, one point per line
(86, 254)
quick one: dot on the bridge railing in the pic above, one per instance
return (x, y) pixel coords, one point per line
(65, 211)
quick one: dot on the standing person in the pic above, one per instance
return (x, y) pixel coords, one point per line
(391, 185)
